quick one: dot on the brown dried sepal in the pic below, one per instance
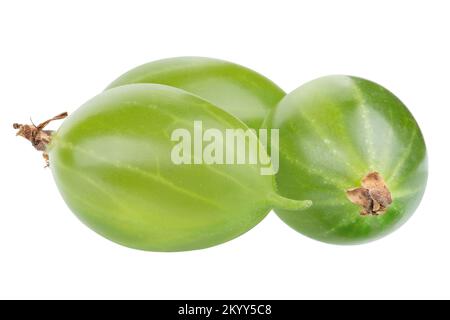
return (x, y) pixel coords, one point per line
(38, 137)
(373, 196)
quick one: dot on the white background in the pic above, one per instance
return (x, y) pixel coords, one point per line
(55, 55)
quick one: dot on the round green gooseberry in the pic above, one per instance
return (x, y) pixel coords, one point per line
(355, 150)
(112, 163)
(240, 91)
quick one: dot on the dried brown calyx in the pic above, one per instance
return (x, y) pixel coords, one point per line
(373, 196)
(38, 137)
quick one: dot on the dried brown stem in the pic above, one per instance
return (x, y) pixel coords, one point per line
(38, 137)
(373, 196)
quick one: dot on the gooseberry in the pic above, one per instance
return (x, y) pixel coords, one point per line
(238, 90)
(355, 150)
(112, 162)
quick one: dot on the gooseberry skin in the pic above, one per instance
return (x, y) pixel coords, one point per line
(333, 132)
(111, 162)
(238, 90)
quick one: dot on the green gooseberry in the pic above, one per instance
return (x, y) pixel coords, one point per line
(240, 91)
(355, 150)
(111, 160)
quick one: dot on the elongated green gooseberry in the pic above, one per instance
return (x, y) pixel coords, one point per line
(240, 91)
(111, 160)
(356, 151)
